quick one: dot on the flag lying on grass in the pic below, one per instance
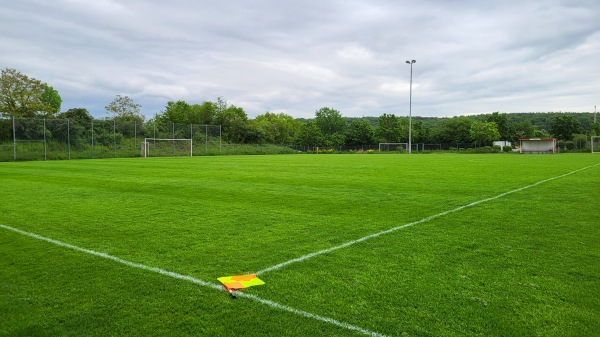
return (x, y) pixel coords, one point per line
(240, 282)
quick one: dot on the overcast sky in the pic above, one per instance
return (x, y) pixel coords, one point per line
(472, 56)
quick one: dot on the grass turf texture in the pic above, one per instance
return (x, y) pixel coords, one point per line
(525, 264)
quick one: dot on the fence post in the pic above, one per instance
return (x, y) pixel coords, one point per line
(135, 134)
(115, 136)
(92, 139)
(45, 157)
(69, 137)
(14, 140)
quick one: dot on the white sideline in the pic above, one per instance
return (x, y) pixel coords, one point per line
(364, 238)
(199, 282)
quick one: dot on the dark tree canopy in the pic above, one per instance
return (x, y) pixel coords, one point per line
(360, 132)
(564, 126)
(330, 121)
(388, 129)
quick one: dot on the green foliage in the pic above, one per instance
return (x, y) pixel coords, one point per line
(124, 108)
(454, 130)
(484, 132)
(506, 131)
(277, 128)
(595, 129)
(256, 149)
(360, 132)
(507, 148)
(25, 97)
(581, 141)
(310, 134)
(77, 114)
(523, 129)
(564, 126)
(52, 99)
(181, 112)
(541, 134)
(233, 121)
(388, 129)
(330, 121)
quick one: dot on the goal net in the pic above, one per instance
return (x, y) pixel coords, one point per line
(596, 144)
(162, 147)
(393, 147)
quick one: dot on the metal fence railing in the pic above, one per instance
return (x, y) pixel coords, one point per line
(47, 139)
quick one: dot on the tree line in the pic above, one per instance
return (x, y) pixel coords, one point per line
(25, 97)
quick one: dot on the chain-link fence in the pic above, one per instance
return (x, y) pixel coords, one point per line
(48, 139)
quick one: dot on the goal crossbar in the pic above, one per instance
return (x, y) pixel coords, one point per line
(148, 141)
(394, 147)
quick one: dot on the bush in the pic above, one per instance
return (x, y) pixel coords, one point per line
(507, 148)
(484, 149)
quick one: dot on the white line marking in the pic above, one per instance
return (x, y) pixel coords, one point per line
(200, 282)
(387, 231)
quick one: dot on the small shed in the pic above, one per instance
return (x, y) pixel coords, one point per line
(502, 143)
(537, 145)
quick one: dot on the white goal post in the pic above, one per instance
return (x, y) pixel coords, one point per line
(393, 147)
(596, 144)
(153, 147)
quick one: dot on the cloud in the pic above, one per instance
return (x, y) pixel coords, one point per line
(298, 56)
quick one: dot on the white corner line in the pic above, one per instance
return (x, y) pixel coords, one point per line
(393, 229)
(199, 282)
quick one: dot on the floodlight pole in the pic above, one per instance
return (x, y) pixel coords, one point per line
(410, 108)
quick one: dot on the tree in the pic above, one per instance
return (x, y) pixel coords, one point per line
(80, 122)
(205, 112)
(484, 132)
(388, 129)
(523, 129)
(360, 132)
(505, 129)
(277, 128)
(595, 129)
(454, 130)
(21, 96)
(417, 134)
(330, 121)
(77, 114)
(52, 99)
(234, 123)
(564, 126)
(310, 134)
(182, 112)
(332, 126)
(174, 112)
(125, 109)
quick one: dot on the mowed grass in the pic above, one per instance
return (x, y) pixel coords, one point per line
(524, 264)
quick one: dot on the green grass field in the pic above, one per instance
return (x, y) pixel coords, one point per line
(521, 259)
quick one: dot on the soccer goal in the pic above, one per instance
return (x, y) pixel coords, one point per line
(393, 147)
(162, 147)
(596, 144)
